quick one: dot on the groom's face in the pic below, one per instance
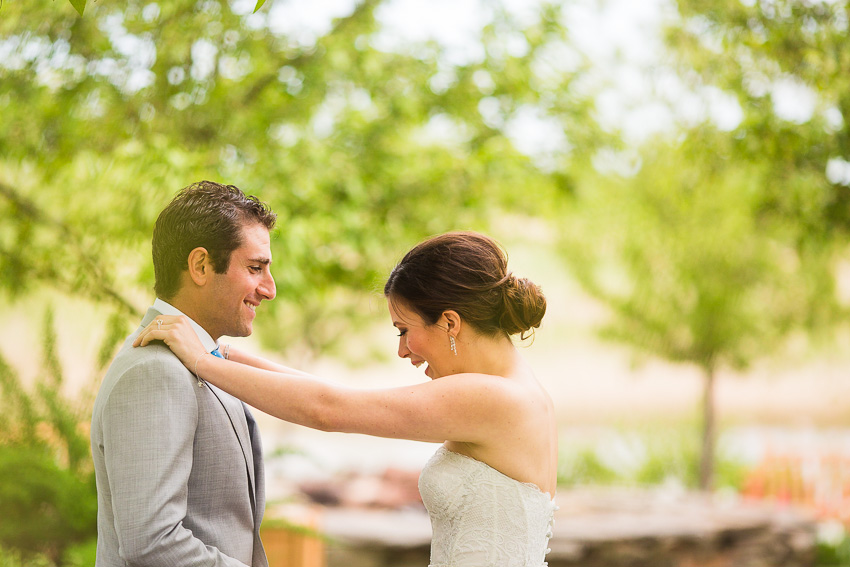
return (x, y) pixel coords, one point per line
(248, 281)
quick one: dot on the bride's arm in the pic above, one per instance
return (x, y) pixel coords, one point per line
(470, 407)
(466, 407)
(260, 362)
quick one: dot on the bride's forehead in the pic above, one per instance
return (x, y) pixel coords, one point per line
(401, 312)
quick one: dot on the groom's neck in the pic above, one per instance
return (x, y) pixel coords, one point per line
(194, 307)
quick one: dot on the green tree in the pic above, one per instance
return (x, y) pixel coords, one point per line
(727, 240)
(787, 64)
(687, 266)
(362, 150)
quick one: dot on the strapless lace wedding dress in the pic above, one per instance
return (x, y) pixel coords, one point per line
(482, 518)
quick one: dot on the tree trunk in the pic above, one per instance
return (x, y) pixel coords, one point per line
(706, 469)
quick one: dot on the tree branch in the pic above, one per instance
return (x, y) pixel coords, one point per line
(365, 7)
(102, 285)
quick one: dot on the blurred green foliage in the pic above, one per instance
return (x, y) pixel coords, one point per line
(689, 267)
(717, 243)
(687, 264)
(778, 55)
(644, 457)
(786, 65)
(47, 484)
(81, 555)
(677, 454)
(10, 558)
(584, 467)
(362, 151)
(80, 5)
(833, 554)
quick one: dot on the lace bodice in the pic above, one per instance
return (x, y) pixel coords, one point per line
(482, 518)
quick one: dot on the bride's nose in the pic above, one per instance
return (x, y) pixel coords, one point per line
(403, 351)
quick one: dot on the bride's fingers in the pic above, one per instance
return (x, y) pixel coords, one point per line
(146, 337)
(159, 323)
(158, 329)
(153, 327)
(142, 334)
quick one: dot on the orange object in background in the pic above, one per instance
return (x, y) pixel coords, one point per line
(296, 542)
(820, 483)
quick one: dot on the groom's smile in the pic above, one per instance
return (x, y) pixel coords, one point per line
(246, 283)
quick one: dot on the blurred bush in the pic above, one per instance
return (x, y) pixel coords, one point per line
(648, 456)
(48, 495)
(833, 547)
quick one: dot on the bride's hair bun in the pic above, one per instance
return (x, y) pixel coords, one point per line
(524, 306)
(466, 272)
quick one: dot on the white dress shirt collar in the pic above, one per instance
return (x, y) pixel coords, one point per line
(167, 309)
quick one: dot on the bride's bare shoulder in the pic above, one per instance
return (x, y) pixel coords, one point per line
(512, 391)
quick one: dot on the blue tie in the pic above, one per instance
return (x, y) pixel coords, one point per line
(216, 353)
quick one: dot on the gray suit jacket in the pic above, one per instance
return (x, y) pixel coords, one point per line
(179, 467)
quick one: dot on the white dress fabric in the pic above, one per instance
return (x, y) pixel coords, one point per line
(481, 517)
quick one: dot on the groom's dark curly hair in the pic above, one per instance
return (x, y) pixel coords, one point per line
(204, 214)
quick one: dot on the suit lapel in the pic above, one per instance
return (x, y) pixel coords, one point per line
(150, 314)
(235, 413)
(260, 558)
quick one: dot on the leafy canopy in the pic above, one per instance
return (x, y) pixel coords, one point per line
(362, 150)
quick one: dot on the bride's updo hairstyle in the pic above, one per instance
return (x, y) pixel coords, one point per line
(466, 272)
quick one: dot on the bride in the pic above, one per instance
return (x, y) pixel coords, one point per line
(489, 487)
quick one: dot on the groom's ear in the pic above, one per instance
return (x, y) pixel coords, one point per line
(200, 266)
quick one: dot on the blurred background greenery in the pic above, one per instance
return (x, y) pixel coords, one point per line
(693, 181)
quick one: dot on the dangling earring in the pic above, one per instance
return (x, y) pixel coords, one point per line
(452, 344)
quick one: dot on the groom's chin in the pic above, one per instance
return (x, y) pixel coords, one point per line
(242, 331)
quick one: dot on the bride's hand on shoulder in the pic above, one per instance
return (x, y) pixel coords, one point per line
(177, 333)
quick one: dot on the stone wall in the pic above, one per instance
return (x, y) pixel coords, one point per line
(603, 528)
(643, 529)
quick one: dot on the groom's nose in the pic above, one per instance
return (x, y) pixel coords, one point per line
(267, 289)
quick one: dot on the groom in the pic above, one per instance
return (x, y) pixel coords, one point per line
(178, 462)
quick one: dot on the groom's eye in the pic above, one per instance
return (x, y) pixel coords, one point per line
(255, 269)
